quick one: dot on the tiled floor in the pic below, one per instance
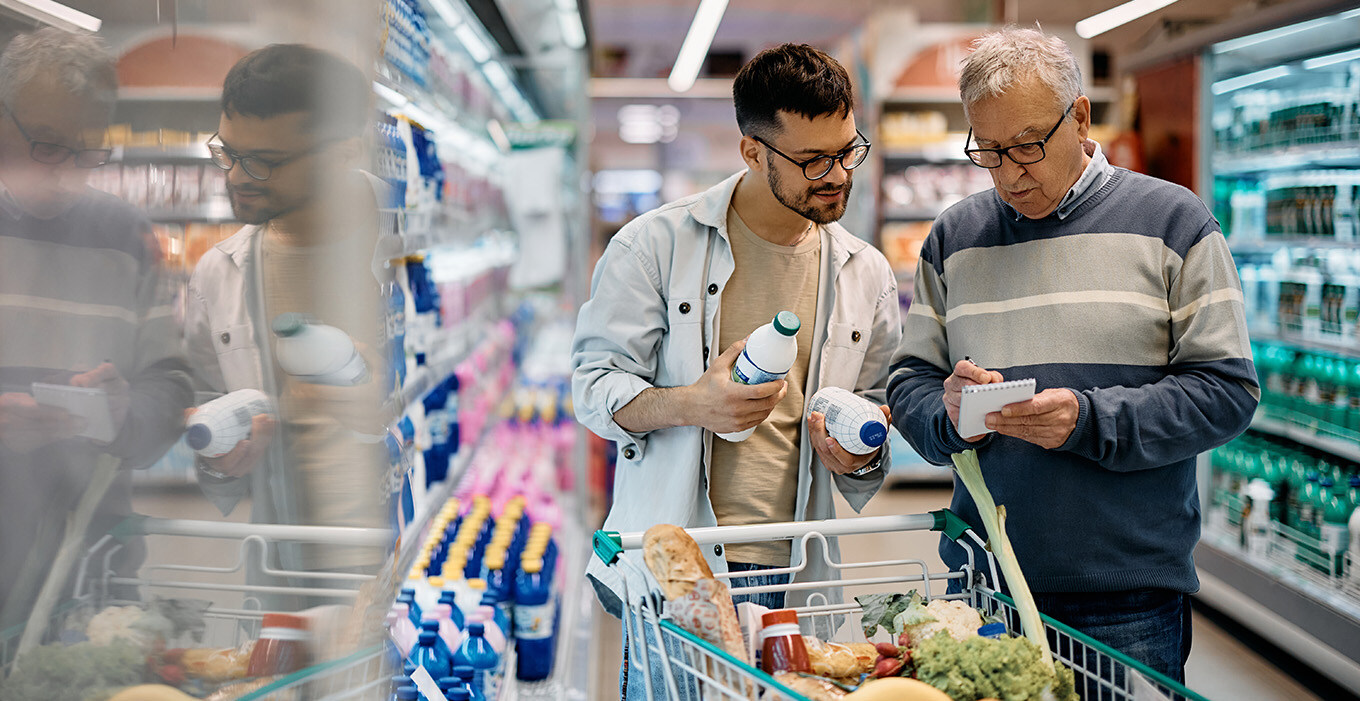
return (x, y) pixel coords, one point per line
(1220, 667)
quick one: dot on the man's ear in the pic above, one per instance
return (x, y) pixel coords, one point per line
(751, 152)
(1081, 112)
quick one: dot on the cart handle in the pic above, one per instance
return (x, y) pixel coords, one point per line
(137, 525)
(609, 545)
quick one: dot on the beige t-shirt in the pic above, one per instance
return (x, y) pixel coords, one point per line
(756, 481)
(336, 475)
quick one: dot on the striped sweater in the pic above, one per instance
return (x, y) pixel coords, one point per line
(1132, 301)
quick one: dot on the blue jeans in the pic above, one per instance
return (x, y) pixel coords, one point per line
(632, 686)
(1150, 625)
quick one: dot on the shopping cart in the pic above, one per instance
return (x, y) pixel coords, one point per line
(693, 668)
(238, 605)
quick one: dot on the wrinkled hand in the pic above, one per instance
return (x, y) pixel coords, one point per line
(26, 425)
(1047, 420)
(834, 457)
(721, 405)
(965, 374)
(246, 455)
(107, 378)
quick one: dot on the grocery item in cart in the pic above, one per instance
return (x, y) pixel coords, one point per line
(696, 601)
(769, 354)
(899, 689)
(841, 661)
(813, 689)
(216, 664)
(217, 426)
(782, 647)
(855, 422)
(674, 559)
(282, 646)
(317, 353)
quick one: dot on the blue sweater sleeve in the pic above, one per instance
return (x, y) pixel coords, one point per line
(915, 395)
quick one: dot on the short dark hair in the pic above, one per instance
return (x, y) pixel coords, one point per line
(284, 78)
(793, 78)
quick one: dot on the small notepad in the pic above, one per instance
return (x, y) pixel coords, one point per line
(980, 400)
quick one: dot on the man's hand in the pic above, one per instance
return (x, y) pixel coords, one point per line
(721, 405)
(965, 373)
(246, 455)
(26, 425)
(107, 378)
(834, 457)
(1047, 420)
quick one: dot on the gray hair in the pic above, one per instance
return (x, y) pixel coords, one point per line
(80, 63)
(1002, 58)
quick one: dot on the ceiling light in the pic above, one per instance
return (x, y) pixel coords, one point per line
(392, 97)
(473, 44)
(446, 12)
(54, 14)
(1242, 81)
(1331, 59)
(1098, 24)
(700, 37)
(1262, 37)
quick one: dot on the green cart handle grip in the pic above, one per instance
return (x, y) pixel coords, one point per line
(950, 524)
(607, 546)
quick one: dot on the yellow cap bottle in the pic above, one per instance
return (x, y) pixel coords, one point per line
(533, 566)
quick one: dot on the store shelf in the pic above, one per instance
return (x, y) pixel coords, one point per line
(948, 150)
(219, 213)
(184, 153)
(399, 94)
(1317, 155)
(1272, 244)
(454, 346)
(1349, 350)
(1308, 434)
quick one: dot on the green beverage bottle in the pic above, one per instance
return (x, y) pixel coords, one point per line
(1353, 396)
(1336, 512)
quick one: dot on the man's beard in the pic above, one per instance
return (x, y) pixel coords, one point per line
(803, 204)
(256, 214)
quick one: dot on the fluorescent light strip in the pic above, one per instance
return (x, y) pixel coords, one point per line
(393, 98)
(54, 14)
(1262, 37)
(700, 37)
(446, 12)
(1098, 24)
(1331, 60)
(1242, 81)
(476, 48)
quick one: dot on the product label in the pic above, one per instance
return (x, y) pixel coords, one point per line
(1334, 538)
(747, 372)
(534, 622)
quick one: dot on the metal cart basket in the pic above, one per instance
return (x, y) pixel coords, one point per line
(693, 668)
(239, 602)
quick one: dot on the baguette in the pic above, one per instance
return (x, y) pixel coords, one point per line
(674, 559)
(837, 660)
(813, 689)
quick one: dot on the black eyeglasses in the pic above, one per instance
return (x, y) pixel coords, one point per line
(1021, 154)
(51, 154)
(817, 167)
(254, 166)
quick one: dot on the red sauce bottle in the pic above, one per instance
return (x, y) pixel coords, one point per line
(783, 649)
(282, 647)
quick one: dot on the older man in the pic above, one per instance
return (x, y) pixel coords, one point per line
(1116, 292)
(81, 303)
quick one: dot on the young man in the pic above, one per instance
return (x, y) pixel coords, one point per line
(679, 284)
(290, 137)
(81, 303)
(1117, 293)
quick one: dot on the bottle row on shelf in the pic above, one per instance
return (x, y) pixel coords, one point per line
(183, 190)
(1323, 387)
(1319, 203)
(405, 39)
(1313, 297)
(1267, 120)
(1294, 505)
(929, 189)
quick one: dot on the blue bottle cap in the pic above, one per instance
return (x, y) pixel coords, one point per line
(400, 680)
(427, 637)
(464, 672)
(198, 436)
(873, 434)
(992, 630)
(459, 694)
(489, 599)
(477, 628)
(409, 667)
(447, 598)
(446, 683)
(408, 693)
(429, 626)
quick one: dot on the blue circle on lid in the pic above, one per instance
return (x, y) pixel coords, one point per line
(198, 436)
(873, 434)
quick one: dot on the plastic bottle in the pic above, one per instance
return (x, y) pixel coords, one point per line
(316, 353)
(437, 424)
(477, 653)
(458, 694)
(535, 616)
(450, 630)
(408, 597)
(398, 681)
(769, 354)
(1353, 527)
(497, 636)
(855, 422)
(465, 674)
(217, 426)
(408, 693)
(400, 630)
(431, 623)
(395, 332)
(426, 593)
(1335, 539)
(429, 657)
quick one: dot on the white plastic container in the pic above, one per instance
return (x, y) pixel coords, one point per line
(219, 425)
(1353, 525)
(317, 353)
(852, 420)
(768, 356)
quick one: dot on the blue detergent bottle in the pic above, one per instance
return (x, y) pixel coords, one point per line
(478, 654)
(465, 673)
(427, 655)
(535, 622)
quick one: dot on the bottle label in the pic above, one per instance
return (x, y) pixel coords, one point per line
(534, 622)
(1334, 538)
(747, 372)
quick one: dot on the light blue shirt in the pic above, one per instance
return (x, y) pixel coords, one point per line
(1097, 173)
